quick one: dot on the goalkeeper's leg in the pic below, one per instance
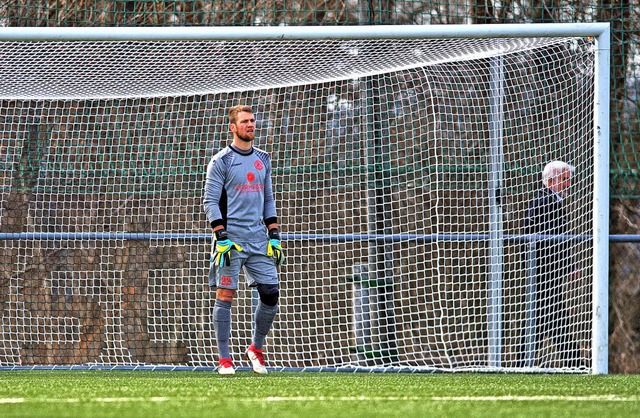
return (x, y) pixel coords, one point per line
(261, 272)
(265, 313)
(222, 327)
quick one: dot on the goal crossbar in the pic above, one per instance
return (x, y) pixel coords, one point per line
(234, 33)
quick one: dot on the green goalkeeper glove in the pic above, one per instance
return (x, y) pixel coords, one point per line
(223, 246)
(274, 247)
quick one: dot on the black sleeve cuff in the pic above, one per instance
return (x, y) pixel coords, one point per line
(217, 222)
(271, 220)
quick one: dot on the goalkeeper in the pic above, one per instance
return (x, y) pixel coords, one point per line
(239, 204)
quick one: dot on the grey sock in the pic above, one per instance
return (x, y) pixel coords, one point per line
(264, 318)
(222, 326)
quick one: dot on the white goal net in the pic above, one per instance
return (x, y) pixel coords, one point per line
(405, 170)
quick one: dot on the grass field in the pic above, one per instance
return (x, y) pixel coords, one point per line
(95, 393)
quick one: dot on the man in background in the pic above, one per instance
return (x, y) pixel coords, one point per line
(546, 215)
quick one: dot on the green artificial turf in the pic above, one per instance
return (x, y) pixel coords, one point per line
(95, 393)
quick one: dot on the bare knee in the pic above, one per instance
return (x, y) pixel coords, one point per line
(225, 294)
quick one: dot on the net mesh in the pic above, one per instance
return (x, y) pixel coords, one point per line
(403, 173)
(130, 69)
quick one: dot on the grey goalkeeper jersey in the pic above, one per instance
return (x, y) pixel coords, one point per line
(238, 193)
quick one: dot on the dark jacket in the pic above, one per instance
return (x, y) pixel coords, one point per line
(546, 216)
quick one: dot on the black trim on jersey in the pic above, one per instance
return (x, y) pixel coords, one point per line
(271, 220)
(223, 207)
(222, 204)
(241, 152)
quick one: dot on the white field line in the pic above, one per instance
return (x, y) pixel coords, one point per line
(543, 398)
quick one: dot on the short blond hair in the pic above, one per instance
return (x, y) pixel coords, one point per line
(233, 112)
(555, 169)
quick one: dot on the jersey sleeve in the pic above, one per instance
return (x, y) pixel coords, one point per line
(214, 187)
(269, 202)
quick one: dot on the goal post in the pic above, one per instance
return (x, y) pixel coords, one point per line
(406, 160)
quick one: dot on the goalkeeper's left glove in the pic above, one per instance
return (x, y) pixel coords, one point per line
(274, 247)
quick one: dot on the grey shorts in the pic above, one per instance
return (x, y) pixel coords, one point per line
(253, 260)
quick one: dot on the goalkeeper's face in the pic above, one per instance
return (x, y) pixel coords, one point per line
(244, 127)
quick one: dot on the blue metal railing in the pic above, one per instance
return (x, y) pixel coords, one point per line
(149, 236)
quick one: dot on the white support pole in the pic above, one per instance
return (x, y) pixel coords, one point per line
(600, 339)
(496, 227)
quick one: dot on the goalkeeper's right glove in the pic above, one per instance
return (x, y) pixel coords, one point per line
(223, 247)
